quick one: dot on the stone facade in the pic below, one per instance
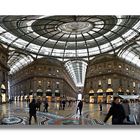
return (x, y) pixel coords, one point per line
(43, 77)
(108, 75)
(3, 74)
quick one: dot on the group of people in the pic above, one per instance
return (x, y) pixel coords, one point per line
(119, 112)
(34, 106)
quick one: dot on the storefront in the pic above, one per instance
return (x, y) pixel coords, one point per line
(99, 95)
(49, 95)
(57, 95)
(15, 98)
(109, 95)
(25, 97)
(40, 92)
(18, 98)
(128, 92)
(91, 96)
(21, 98)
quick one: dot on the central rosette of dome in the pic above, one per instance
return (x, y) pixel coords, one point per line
(75, 27)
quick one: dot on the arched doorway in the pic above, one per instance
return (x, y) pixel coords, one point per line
(21, 98)
(39, 94)
(91, 96)
(30, 98)
(128, 92)
(49, 95)
(57, 95)
(109, 93)
(100, 95)
(120, 91)
(25, 97)
(15, 98)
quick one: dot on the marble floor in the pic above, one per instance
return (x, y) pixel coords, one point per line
(17, 113)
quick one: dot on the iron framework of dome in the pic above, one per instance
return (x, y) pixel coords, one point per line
(72, 39)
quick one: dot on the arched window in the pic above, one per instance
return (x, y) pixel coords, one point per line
(134, 84)
(109, 90)
(109, 81)
(100, 82)
(91, 91)
(99, 91)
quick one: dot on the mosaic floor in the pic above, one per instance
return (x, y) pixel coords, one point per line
(17, 113)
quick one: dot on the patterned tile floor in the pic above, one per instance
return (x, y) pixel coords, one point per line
(18, 112)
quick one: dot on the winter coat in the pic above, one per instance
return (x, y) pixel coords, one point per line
(117, 113)
(32, 108)
(46, 104)
(80, 104)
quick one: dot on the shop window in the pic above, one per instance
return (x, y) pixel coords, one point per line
(109, 81)
(120, 66)
(134, 84)
(57, 85)
(100, 82)
(48, 83)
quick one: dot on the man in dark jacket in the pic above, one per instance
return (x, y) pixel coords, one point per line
(80, 106)
(63, 104)
(117, 112)
(32, 111)
(46, 105)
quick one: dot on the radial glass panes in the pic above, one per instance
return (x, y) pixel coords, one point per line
(70, 38)
(65, 36)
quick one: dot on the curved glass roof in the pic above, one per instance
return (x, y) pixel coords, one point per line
(69, 38)
(77, 70)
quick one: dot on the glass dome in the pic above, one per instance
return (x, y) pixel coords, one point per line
(67, 38)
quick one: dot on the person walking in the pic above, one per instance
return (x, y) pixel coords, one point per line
(80, 106)
(60, 104)
(32, 111)
(46, 105)
(38, 104)
(117, 112)
(126, 108)
(63, 104)
(100, 104)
